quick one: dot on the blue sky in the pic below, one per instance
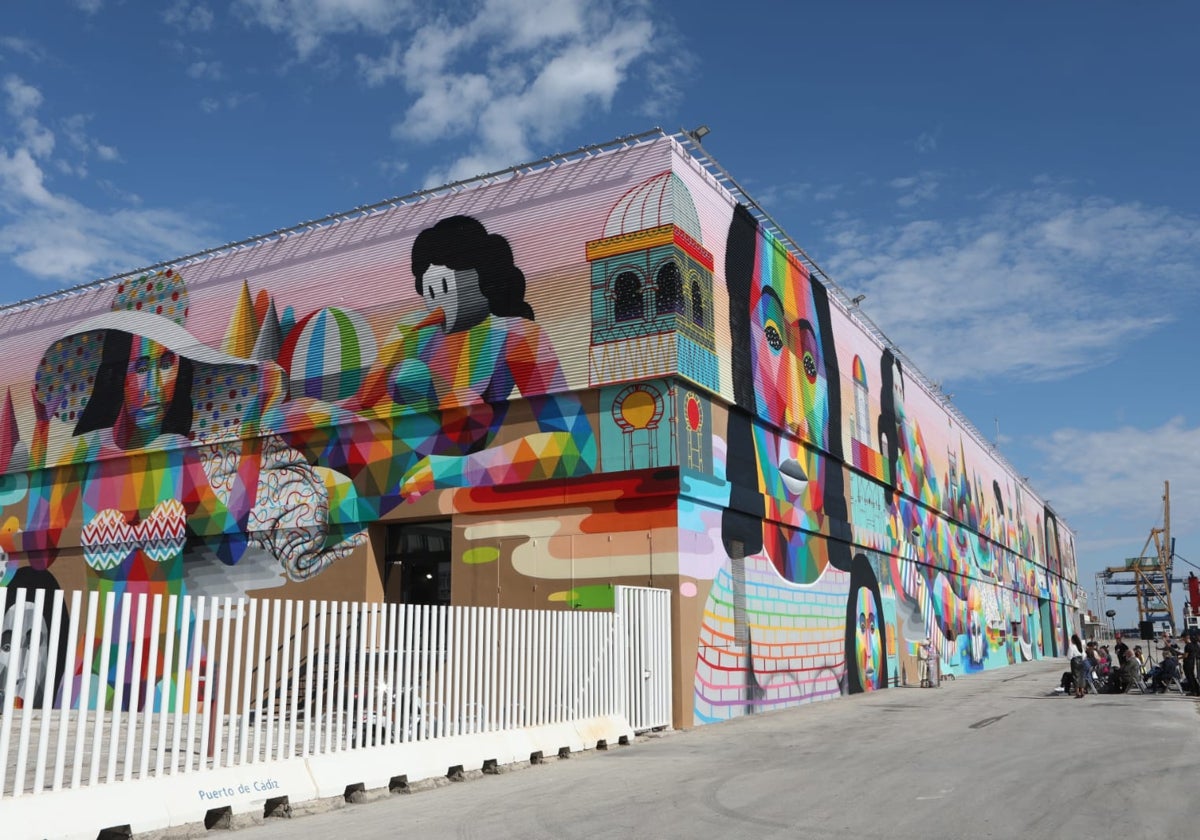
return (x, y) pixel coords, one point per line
(1011, 185)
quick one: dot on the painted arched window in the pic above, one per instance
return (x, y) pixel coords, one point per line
(697, 304)
(670, 289)
(628, 303)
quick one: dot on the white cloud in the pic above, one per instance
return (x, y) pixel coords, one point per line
(546, 66)
(1027, 285)
(829, 192)
(385, 68)
(228, 102)
(38, 139)
(91, 7)
(795, 193)
(23, 182)
(309, 23)
(777, 193)
(446, 107)
(54, 236)
(22, 102)
(393, 168)
(74, 128)
(23, 46)
(58, 238)
(510, 74)
(927, 141)
(527, 24)
(1113, 479)
(916, 188)
(188, 16)
(205, 70)
(23, 99)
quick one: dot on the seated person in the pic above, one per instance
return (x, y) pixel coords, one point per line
(1166, 671)
(1125, 676)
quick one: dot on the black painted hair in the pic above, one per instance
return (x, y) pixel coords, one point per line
(835, 474)
(862, 576)
(742, 520)
(108, 391)
(461, 242)
(887, 417)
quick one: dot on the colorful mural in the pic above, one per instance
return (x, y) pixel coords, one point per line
(600, 372)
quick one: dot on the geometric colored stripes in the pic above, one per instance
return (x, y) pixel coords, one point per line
(796, 651)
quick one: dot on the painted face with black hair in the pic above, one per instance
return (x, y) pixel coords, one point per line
(787, 359)
(150, 381)
(868, 647)
(456, 293)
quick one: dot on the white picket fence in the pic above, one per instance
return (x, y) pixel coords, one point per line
(160, 687)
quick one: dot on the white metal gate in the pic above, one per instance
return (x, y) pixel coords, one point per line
(645, 615)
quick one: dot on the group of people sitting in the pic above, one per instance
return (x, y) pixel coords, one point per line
(1132, 668)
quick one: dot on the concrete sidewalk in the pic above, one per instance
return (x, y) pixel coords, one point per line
(998, 754)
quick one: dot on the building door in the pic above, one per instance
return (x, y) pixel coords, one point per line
(417, 563)
(1044, 608)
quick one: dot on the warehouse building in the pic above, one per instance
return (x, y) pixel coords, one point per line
(604, 368)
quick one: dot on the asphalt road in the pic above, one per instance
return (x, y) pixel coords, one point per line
(992, 755)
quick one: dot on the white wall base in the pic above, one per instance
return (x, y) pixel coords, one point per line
(146, 805)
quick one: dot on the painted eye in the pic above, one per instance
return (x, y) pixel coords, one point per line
(445, 288)
(774, 339)
(808, 352)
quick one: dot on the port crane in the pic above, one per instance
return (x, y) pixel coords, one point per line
(1148, 577)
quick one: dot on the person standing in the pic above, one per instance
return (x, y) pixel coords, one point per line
(923, 662)
(1121, 649)
(1075, 651)
(1190, 651)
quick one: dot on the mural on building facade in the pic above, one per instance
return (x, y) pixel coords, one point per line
(652, 390)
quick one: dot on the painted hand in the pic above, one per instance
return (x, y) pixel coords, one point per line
(418, 481)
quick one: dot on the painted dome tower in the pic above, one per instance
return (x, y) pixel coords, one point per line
(652, 289)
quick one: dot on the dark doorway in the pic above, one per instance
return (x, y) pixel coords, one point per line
(417, 563)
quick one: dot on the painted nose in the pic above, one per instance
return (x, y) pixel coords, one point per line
(154, 381)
